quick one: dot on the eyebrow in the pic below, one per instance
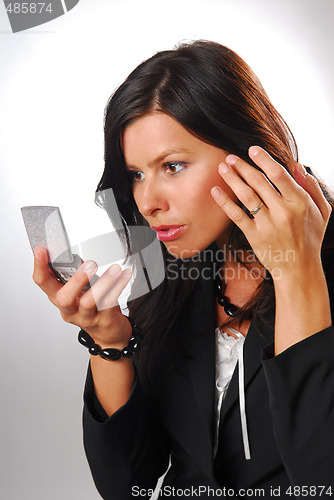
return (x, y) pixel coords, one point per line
(161, 157)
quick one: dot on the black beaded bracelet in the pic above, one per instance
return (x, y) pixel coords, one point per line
(128, 351)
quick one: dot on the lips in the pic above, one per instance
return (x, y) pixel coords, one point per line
(168, 233)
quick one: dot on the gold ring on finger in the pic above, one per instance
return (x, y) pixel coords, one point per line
(257, 209)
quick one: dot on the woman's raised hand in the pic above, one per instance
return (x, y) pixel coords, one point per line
(95, 311)
(288, 226)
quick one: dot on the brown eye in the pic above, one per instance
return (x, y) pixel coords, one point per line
(174, 167)
(135, 175)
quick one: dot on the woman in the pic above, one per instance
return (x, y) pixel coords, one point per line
(195, 150)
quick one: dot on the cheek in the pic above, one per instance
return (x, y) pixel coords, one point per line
(200, 192)
(137, 197)
(208, 214)
(226, 188)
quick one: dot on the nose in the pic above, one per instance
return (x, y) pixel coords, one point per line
(151, 198)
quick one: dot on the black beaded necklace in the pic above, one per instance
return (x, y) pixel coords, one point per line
(230, 309)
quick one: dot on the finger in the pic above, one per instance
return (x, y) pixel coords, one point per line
(105, 286)
(255, 179)
(68, 295)
(110, 299)
(277, 174)
(231, 209)
(241, 189)
(42, 275)
(312, 187)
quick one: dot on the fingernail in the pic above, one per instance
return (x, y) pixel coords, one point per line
(127, 272)
(254, 150)
(223, 168)
(216, 192)
(231, 159)
(89, 267)
(114, 269)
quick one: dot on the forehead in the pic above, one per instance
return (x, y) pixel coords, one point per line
(155, 133)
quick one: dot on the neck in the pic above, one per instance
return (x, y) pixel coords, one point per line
(224, 237)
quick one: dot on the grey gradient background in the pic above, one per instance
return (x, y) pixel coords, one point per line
(55, 80)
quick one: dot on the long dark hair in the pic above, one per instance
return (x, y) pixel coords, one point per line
(216, 96)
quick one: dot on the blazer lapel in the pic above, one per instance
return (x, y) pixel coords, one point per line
(188, 402)
(201, 360)
(254, 343)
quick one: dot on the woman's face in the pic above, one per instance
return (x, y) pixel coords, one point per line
(173, 173)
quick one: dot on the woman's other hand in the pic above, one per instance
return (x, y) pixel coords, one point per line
(287, 231)
(286, 235)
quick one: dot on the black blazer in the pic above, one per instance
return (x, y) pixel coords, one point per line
(289, 408)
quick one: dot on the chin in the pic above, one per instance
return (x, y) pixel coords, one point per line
(182, 252)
